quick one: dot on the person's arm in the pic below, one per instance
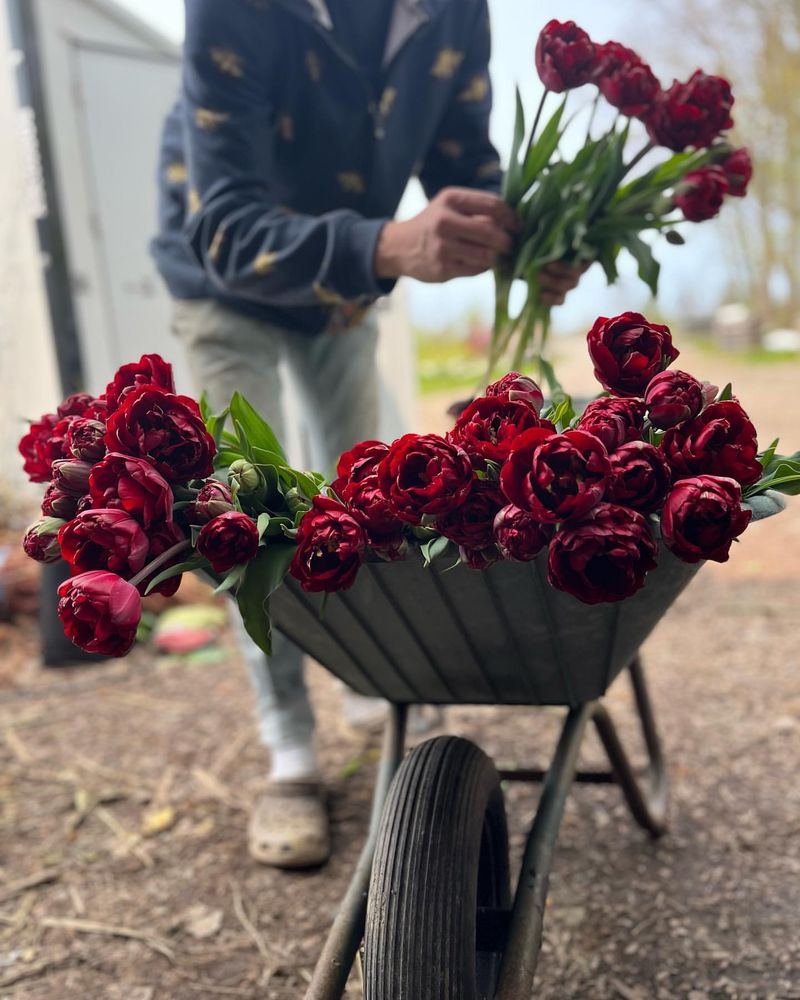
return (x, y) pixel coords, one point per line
(462, 154)
(172, 173)
(249, 245)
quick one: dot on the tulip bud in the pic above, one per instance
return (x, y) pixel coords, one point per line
(85, 439)
(296, 502)
(672, 398)
(519, 536)
(57, 503)
(246, 480)
(519, 388)
(709, 392)
(41, 540)
(213, 499)
(75, 404)
(72, 477)
(229, 540)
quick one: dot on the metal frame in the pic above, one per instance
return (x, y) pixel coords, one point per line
(516, 933)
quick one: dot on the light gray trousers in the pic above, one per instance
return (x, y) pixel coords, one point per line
(336, 378)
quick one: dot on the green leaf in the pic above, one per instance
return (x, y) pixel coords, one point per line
(263, 576)
(244, 444)
(512, 182)
(225, 457)
(272, 478)
(51, 525)
(424, 533)
(215, 423)
(550, 376)
(267, 459)
(309, 483)
(725, 394)
(196, 562)
(279, 524)
(608, 171)
(542, 150)
(262, 524)
(788, 485)
(452, 566)
(643, 255)
(775, 461)
(663, 176)
(607, 255)
(232, 578)
(205, 406)
(765, 457)
(492, 471)
(781, 473)
(435, 547)
(257, 432)
(563, 413)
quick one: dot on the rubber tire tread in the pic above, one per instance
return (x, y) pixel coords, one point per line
(420, 931)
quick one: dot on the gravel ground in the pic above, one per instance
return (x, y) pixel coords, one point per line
(124, 790)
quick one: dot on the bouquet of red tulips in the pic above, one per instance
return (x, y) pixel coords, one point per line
(145, 484)
(590, 207)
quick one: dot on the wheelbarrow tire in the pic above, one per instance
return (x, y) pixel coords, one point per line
(442, 854)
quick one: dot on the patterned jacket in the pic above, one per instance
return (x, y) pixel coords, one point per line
(282, 162)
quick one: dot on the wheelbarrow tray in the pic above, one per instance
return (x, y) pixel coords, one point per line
(442, 635)
(445, 635)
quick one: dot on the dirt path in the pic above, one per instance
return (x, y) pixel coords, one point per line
(708, 912)
(91, 759)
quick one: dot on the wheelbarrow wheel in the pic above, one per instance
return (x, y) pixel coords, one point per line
(441, 863)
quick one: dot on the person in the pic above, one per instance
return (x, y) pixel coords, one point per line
(299, 126)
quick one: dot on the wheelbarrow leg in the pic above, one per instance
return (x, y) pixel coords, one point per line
(647, 803)
(336, 961)
(525, 931)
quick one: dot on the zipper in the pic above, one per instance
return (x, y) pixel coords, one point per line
(326, 34)
(377, 119)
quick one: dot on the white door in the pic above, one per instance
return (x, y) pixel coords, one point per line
(124, 95)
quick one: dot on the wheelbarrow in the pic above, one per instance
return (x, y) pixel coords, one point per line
(430, 899)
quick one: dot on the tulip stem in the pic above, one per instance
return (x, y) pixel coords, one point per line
(595, 104)
(536, 120)
(639, 156)
(159, 561)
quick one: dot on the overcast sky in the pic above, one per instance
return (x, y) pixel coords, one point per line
(516, 24)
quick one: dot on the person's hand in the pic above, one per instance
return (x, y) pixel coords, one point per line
(461, 233)
(556, 279)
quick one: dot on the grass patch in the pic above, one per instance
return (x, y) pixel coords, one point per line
(749, 355)
(446, 362)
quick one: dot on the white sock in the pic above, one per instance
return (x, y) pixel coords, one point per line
(294, 763)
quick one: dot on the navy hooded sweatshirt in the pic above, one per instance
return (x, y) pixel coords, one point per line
(285, 157)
